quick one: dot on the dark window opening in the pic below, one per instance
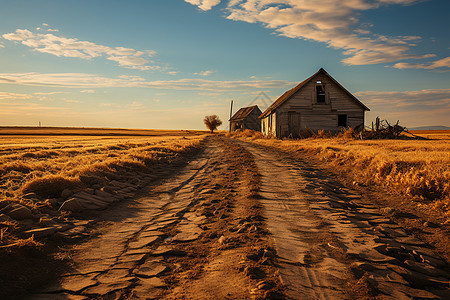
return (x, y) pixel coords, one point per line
(342, 120)
(320, 93)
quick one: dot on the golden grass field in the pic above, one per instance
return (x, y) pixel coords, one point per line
(29, 163)
(43, 163)
(418, 168)
(47, 164)
(92, 131)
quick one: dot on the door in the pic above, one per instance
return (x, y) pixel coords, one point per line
(294, 123)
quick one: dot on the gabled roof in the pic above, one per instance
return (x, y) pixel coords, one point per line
(283, 98)
(243, 113)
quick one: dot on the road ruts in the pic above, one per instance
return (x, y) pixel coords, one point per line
(127, 259)
(330, 245)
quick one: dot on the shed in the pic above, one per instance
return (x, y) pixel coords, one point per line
(319, 102)
(246, 118)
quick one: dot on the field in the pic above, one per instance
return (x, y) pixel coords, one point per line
(36, 169)
(433, 134)
(92, 131)
(416, 168)
(182, 215)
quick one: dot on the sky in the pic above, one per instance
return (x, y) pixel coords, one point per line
(165, 64)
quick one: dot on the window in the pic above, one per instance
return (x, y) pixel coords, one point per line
(320, 93)
(342, 120)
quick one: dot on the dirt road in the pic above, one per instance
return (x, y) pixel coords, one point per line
(239, 222)
(333, 245)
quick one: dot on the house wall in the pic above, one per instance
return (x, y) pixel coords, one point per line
(235, 125)
(303, 111)
(268, 125)
(252, 122)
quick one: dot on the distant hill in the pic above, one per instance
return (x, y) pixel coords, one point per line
(430, 128)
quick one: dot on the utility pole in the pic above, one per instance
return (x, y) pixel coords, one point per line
(231, 114)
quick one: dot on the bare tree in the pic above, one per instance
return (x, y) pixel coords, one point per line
(212, 122)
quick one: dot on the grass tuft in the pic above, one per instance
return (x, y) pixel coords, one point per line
(417, 168)
(50, 185)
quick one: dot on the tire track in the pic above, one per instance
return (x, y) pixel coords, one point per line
(197, 235)
(333, 246)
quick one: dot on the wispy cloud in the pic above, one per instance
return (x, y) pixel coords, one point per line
(204, 4)
(50, 93)
(333, 22)
(204, 73)
(88, 91)
(89, 81)
(209, 94)
(46, 28)
(396, 99)
(32, 109)
(72, 101)
(417, 108)
(441, 63)
(72, 47)
(14, 96)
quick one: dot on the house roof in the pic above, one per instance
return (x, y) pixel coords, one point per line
(283, 98)
(243, 113)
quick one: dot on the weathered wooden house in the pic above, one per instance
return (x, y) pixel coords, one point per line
(246, 118)
(316, 103)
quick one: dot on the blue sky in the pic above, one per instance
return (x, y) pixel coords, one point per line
(166, 64)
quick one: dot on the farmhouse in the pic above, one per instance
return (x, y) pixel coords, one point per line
(316, 103)
(246, 118)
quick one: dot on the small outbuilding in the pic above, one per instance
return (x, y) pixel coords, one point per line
(317, 103)
(246, 118)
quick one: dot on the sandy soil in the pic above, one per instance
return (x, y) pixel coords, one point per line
(334, 243)
(241, 221)
(198, 235)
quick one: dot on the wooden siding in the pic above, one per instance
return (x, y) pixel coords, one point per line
(268, 125)
(250, 121)
(302, 107)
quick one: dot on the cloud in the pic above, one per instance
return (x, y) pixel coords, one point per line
(413, 108)
(13, 112)
(204, 4)
(204, 73)
(441, 63)
(88, 91)
(50, 93)
(333, 22)
(209, 94)
(396, 99)
(14, 96)
(72, 47)
(2, 46)
(47, 29)
(72, 101)
(90, 81)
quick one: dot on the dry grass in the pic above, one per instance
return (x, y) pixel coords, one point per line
(46, 165)
(246, 133)
(433, 134)
(418, 168)
(11, 130)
